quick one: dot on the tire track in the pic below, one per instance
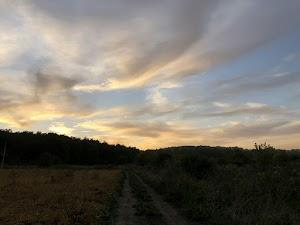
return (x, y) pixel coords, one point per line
(127, 212)
(171, 216)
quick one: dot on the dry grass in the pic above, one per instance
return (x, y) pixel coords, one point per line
(56, 197)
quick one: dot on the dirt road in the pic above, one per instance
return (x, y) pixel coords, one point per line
(127, 211)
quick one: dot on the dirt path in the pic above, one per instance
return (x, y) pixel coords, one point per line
(126, 212)
(170, 215)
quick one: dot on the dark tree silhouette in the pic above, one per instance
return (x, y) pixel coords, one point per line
(28, 148)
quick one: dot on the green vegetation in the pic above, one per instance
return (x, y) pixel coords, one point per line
(227, 185)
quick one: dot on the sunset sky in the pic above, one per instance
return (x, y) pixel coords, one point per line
(153, 73)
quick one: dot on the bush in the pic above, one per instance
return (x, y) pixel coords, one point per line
(231, 187)
(197, 166)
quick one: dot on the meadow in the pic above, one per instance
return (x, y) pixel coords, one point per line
(58, 196)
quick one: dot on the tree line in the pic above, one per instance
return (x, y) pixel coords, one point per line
(29, 148)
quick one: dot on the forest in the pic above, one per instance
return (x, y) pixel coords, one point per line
(28, 148)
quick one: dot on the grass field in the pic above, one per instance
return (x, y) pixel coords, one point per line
(57, 197)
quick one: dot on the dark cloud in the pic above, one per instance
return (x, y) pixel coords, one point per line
(93, 11)
(263, 129)
(251, 83)
(45, 91)
(58, 90)
(53, 85)
(139, 42)
(182, 29)
(248, 110)
(253, 24)
(257, 82)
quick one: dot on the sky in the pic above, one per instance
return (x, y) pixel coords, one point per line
(153, 73)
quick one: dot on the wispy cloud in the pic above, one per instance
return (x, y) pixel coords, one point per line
(248, 109)
(76, 60)
(266, 129)
(251, 83)
(46, 97)
(130, 44)
(145, 134)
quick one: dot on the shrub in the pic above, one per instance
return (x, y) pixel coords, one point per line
(197, 166)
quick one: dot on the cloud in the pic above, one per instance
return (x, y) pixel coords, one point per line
(79, 48)
(249, 108)
(130, 44)
(291, 57)
(252, 83)
(128, 128)
(53, 87)
(252, 130)
(156, 97)
(11, 37)
(221, 104)
(40, 97)
(143, 134)
(146, 134)
(266, 129)
(60, 128)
